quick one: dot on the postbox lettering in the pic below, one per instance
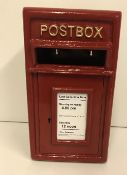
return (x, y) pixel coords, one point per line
(43, 28)
(79, 31)
(98, 32)
(72, 31)
(53, 30)
(63, 31)
(89, 32)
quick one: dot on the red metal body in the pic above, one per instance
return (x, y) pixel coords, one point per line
(74, 33)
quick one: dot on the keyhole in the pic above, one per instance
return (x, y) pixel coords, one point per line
(49, 120)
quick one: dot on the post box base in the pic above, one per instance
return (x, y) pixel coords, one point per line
(70, 158)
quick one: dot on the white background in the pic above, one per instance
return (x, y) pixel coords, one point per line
(14, 142)
(13, 103)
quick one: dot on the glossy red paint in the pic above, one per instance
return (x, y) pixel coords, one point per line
(46, 79)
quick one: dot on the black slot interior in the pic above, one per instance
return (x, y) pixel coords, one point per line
(80, 57)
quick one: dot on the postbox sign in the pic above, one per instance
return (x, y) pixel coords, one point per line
(71, 59)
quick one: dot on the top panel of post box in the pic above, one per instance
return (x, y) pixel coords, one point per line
(71, 58)
(78, 29)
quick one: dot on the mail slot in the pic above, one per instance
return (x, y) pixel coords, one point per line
(82, 57)
(71, 59)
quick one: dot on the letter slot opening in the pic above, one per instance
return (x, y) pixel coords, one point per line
(80, 57)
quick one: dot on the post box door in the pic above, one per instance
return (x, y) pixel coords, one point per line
(49, 87)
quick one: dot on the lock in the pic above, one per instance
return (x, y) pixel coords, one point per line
(71, 59)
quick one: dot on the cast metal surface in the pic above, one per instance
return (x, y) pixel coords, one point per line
(50, 33)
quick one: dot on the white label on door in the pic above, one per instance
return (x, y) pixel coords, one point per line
(71, 116)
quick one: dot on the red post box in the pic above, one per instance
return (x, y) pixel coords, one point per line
(71, 58)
